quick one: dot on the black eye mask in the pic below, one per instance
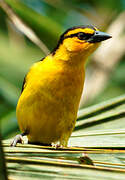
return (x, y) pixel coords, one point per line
(84, 36)
(80, 36)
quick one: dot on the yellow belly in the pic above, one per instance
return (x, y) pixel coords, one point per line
(45, 120)
(47, 108)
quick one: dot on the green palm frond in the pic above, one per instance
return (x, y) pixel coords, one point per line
(101, 141)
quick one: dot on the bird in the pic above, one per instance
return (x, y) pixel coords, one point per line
(47, 107)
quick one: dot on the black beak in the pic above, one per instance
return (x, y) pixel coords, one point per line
(99, 36)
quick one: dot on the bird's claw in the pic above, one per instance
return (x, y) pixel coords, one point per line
(56, 145)
(17, 139)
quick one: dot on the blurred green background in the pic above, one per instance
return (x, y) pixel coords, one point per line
(47, 19)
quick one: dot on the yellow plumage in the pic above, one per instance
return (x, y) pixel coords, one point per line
(47, 108)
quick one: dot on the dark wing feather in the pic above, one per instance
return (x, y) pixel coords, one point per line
(24, 81)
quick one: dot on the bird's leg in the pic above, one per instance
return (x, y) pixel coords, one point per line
(18, 139)
(56, 145)
(65, 138)
(63, 142)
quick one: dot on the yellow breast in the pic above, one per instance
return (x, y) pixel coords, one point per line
(47, 108)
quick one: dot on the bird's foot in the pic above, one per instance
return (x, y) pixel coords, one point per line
(17, 139)
(56, 145)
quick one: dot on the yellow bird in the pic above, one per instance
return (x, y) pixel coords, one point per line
(48, 105)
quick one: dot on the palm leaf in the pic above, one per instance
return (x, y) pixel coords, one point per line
(102, 139)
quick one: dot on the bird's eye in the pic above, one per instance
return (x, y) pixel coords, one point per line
(84, 36)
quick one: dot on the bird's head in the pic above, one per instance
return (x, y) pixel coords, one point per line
(80, 40)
